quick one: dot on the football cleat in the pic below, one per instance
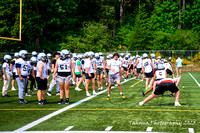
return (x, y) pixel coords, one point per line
(123, 97)
(23, 102)
(88, 94)
(141, 103)
(13, 89)
(177, 104)
(78, 89)
(108, 98)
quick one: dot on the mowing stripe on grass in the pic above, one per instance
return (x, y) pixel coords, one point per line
(34, 109)
(194, 79)
(34, 123)
(191, 130)
(135, 84)
(10, 91)
(69, 128)
(156, 110)
(108, 128)
(88, 132)
(149, 129)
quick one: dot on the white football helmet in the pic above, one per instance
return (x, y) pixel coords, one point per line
(23, 53)
(64, 52)
(100, 54)
(34, 53)
(16, 55)
(41, 56)
(97, 55)
(159, 57)
(33, 60)
(49, 55)
(7, 58)
(152, 55)
(145, 55)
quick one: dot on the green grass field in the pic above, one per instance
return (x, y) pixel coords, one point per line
(97, 113)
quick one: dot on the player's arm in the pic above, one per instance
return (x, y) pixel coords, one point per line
(18, 71)
(55, 70)
(143, 69)
(177, 80)
(104, 66)
(137, 62)
(72, 67)
(41, 65)
(11, 67)
(122, 63)
(120, 72)
(129, 64)
(4, 73)
(151, 64)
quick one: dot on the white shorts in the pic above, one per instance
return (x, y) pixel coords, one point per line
(64, 79)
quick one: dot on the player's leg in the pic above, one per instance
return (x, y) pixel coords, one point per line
(87, 81)
(180, 71)
(98, 81)
(101, 79)
(21, 85)
(67, 84)
(78, 82)
(150, 97)
(176, 71)
(61, 83)
(110, 80)
(93, 86)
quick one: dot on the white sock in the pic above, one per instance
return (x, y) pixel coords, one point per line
(176, 102)
(94, 92)
(108, 95)
(120, 93)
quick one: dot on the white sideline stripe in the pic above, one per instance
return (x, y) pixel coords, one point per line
(149, 129)
(34, 123)
(191, 130)
(194, 79)
(108, 128)
(69, 128)
(88, 132)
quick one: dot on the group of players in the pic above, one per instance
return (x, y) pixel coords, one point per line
(83, 68)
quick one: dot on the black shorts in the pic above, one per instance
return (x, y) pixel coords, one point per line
(125, 68)
(139, 70)
(87, 76)
(161, 88)
(49, 72)
(83, 72)
(131, 67)
(14, 75)
(149, 75)
(78, 76)
(107, 70)
(169, 72)
(42, 84)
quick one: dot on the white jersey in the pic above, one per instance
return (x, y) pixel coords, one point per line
(125, 63)
(139, 65)
(167, 66)
(114, 64)
(64, 65)
(99, 62)
(107, 61)
(44, 70)
(48, 64)
(22, 64)
(160, 74)
(147, 65)
(88, 64)
(154, 63)
(30, 67)
(7, 68)
(76, 64)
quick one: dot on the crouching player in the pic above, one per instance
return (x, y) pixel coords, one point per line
(162, 86)
(114, 67)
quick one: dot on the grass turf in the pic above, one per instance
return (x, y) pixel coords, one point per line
(124, 115)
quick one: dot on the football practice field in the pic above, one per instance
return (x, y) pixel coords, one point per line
(95, 113)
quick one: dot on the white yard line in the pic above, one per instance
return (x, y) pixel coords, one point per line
(149, 129)
(194, 79)
(69, 128)
(191, 130)
(34, 123)
(108, 128)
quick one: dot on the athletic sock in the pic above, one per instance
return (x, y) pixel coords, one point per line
(61, 100)
(120, 93)
(108, 95)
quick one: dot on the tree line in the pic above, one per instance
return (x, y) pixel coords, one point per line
(101, 25)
